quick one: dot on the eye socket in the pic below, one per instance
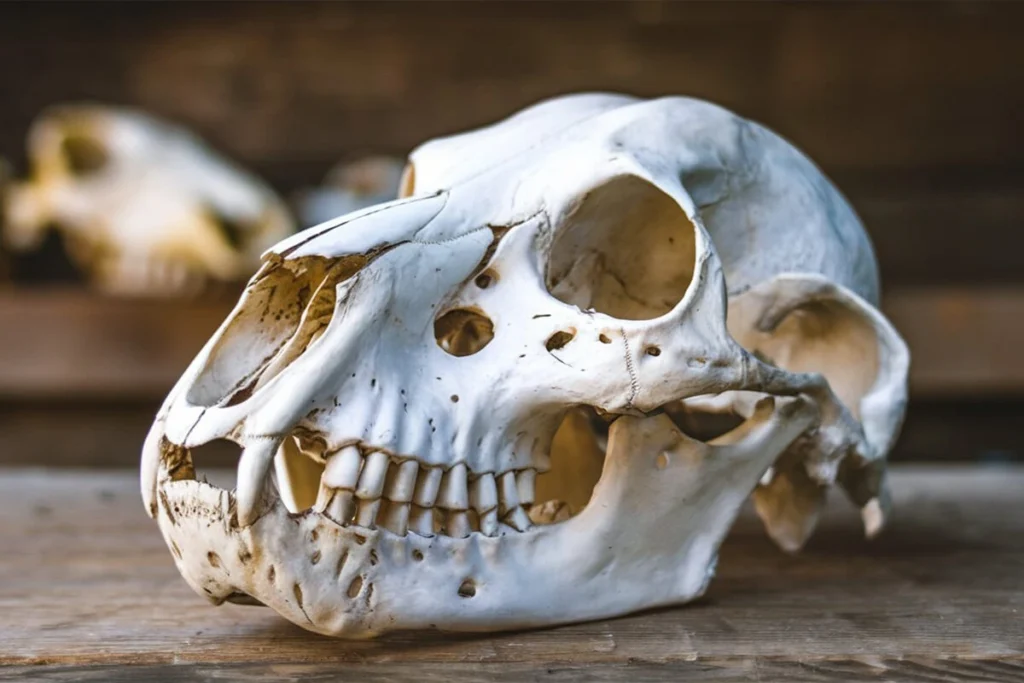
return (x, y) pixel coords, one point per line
(628, 250)
(463, 331)
(84, 155)
(235, 233)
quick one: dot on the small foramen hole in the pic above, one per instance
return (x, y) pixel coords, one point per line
(661, 462)
(455, 398)
(355, 587)
(604, 339)
(559, 339)
(467, 589)
(214, 559)
(652, 351)
(417, 556)
(486, 279)
(463, 331)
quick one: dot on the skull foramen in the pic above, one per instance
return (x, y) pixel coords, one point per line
(396, 378)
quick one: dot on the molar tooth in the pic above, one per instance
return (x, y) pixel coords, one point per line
(342, 470)
(366, 515)
(421, 520)
(371, 481)
(518, 519)
(253, 470)
(454, 493)
(525, 485)
(401, 482)
(489, 522)
(508, 495)
(397, 518)
(457, 524)
(427, 486)
(550, 512)
(483, 493)
(341, 506)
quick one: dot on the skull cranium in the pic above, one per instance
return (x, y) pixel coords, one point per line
(144, 206)
(398, 378)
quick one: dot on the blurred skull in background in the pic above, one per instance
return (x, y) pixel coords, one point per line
(144, 206)
(350, 186)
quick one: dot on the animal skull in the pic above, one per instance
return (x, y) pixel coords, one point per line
(350, 186)
(144, 206)
(397, 376)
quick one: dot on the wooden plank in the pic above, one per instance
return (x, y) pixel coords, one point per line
(70, 344)
(86, 585)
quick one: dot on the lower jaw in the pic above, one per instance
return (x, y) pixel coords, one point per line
(648, 537)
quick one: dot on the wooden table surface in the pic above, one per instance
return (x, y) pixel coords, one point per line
(87, 587)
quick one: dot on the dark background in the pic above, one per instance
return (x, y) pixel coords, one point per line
(916, 110)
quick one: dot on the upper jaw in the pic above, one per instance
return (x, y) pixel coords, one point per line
(356, 581)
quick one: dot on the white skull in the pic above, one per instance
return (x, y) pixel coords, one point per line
(570, 262)
(144, 206)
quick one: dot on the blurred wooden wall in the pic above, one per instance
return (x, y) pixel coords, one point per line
(916, 110)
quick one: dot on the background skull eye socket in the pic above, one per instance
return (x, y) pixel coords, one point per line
(463, 331)
(233, 232)
(84, 155)
(628, 250)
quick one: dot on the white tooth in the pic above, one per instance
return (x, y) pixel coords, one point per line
(518, 519)
(151, 454)
(457, 524)
(371, 481)
(427, 485)
(508, 496)
(366, 516)
(489, 523)
(342, 470)
(454, 493)
(421, 520)
(397, 518)
(524, 484)
(341, 507)
(550, 512)
(253, 470)
(401, 483)
(483, 493)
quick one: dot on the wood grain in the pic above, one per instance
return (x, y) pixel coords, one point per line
(86, 587)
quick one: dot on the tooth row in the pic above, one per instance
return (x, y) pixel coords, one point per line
(403, 496)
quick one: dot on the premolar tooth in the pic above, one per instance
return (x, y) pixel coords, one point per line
(508, 495)
(253, 468)
(427, 486)
(401, 482)
(454, 493)
(483, 493)
(366, 515)
(371, 481)
(342, 470)
(518, 519)
(397, 518)
(525, 484)
(489, 522)
(457, 524)
(341, 507)
(421, 520)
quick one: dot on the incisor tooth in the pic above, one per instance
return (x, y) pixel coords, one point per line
(253, 470)
(341, 507)
(371, 481)
(427, 485)
(454, 493)
(489, 522)
(525, 484)
(396, 518)
(421, 520)
(508, 496)
(342, 470)
(483, 493)
(401, 482)
(518, 519)
(457, 524)
(366, 515)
